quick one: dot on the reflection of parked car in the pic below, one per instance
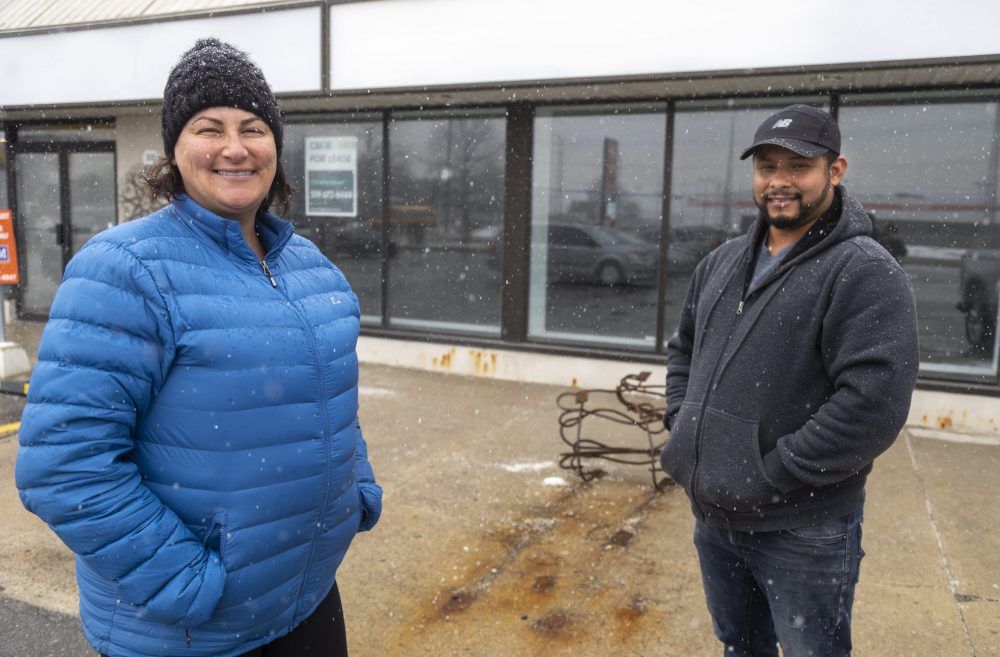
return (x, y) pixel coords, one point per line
(597, 254)
(609, 256)
(359, 238)
(353, 238)
(701, 240)
(978, 280)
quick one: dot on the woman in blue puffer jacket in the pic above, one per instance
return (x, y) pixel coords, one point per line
(191, 430)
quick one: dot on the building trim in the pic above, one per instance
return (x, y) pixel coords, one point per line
(263, 8)
(416, 96)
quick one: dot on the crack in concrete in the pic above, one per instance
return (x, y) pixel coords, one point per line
(968, 597)
(952, 582)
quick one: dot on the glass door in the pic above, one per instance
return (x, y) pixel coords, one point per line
(91, 196)
(39, 210)
(65, 195)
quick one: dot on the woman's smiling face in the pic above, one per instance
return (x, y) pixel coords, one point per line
(227, 159)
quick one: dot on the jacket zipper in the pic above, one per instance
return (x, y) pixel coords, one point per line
(267, 272)
(326, 419)
(326, 422)
(744, 298)
(708, 395)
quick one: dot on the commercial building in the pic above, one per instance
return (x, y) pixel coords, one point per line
(537, 178)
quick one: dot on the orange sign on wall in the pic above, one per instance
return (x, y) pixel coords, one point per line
(8, 250)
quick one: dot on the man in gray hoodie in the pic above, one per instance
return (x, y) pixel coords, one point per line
(790, 371)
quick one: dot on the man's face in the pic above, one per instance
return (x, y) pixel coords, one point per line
(791, 190)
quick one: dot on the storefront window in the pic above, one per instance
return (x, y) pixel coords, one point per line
(927, 174)
(597, 185)
(711, 188)
(336, 168)
(446, 215)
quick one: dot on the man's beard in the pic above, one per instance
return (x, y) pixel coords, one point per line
(788, 223)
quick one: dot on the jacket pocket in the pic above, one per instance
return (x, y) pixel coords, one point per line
(370, 496)
(216, 537)
(731, 470)
(678, 455)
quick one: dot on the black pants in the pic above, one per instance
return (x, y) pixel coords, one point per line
(322, 634)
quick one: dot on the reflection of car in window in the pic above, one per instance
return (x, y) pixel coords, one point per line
(978, 280)
(359, 239)
(356, 238)
(605, 255)
(601, 255)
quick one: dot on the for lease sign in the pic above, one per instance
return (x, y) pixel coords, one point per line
(8, 250)
(332, 176)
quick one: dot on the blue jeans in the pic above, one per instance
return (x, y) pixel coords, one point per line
(794, 587)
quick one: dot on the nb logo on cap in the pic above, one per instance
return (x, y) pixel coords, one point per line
(782, 123)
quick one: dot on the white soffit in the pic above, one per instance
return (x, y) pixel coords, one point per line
(128, 63)
(412, 43)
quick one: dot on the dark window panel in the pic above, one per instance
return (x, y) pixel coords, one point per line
(446, 216)
(596, 217)
(927, 174)
(336, 169)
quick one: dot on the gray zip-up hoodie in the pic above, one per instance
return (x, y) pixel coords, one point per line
(780, 400)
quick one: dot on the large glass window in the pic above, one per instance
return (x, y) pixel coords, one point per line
(927, 174)
(336, 167)
(711, 188)
(447, 188)
(597, 185)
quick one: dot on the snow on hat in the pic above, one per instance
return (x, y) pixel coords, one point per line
(215, 74)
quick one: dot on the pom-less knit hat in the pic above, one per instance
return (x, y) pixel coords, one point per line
(215, 74)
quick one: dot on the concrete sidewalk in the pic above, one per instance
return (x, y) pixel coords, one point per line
(487, 548)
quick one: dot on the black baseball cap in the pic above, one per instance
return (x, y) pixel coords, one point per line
(808, 131)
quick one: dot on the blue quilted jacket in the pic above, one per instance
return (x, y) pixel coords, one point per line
(191, 433)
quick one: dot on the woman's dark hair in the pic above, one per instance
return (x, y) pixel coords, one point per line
(163, 181)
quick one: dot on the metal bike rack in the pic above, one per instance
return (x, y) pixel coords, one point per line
(633, 403)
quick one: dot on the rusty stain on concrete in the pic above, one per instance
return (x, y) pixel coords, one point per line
(636, 608)
(553, 624)
(622, 537)
(945, 422)
(458, 601)
(550, 572)
(544, 583)
(482, 362)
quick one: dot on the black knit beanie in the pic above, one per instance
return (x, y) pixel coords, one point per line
(215, 74)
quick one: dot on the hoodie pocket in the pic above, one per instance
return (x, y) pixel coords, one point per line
(731, 471)
(678, 455)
